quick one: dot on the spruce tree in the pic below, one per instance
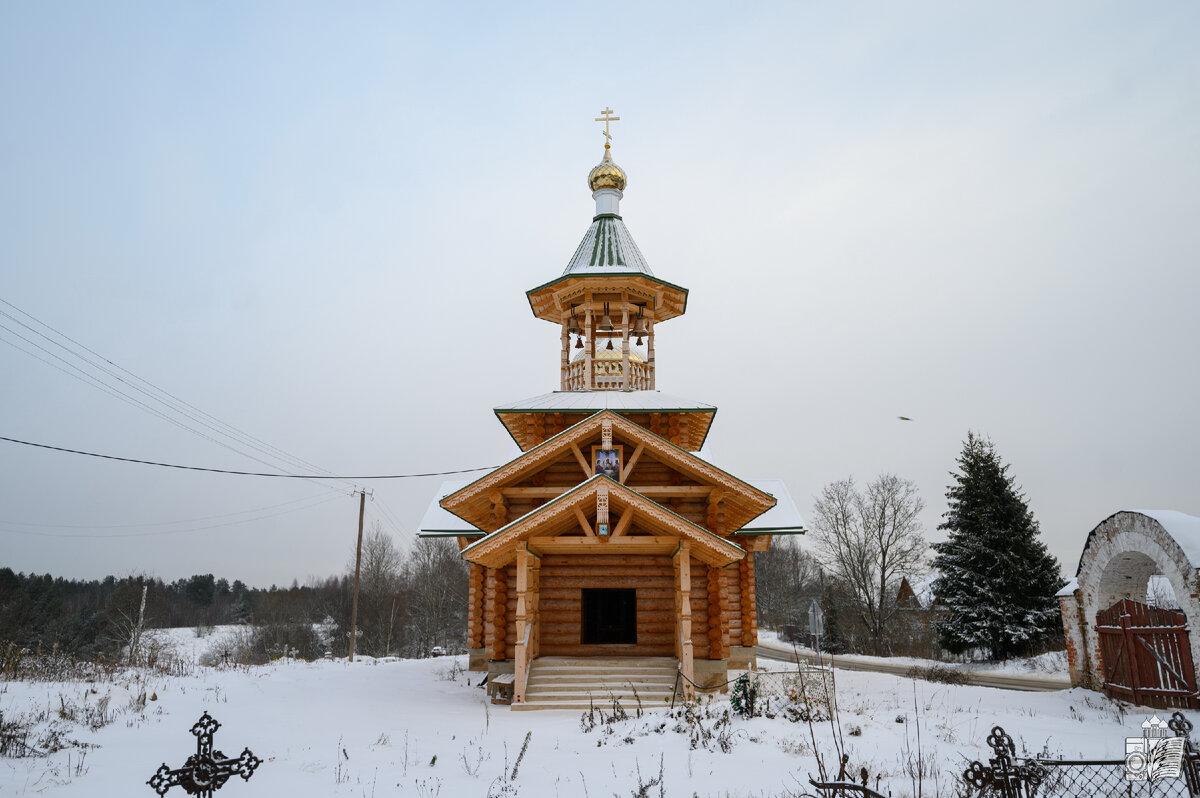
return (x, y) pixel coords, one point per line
(997, 580)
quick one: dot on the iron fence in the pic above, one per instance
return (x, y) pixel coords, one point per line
(807, 691)
(1073, 779)
(1008, 776)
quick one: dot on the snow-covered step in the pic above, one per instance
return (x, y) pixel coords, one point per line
(579, 683)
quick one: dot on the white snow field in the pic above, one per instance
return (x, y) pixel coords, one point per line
(391, 727)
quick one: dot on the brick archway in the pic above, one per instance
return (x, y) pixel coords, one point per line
(1119, 557)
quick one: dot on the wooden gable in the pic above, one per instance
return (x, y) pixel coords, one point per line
(569, 524)
(651, 465)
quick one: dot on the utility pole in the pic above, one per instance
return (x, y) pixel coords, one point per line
(362, 505)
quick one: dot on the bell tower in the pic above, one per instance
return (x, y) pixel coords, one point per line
(607, 301)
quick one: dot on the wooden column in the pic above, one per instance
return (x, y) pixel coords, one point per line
(475, 596)
(625, 375)
(565, 358)
(683, 602)
(534, 609)
(521, 655)
(589, 353)
(678, 607)
(650, 352)
(749, 613)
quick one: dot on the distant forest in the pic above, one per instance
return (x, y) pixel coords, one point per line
(408, 603)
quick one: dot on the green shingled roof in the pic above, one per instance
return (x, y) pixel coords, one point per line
(607, 247)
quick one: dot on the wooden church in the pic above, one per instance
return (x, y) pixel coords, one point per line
(609, 555)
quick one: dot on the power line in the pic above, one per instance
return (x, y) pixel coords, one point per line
(116, 392)
(175, 404)
(244, 473)
(378, 515)
(157, 394)
(386, 512)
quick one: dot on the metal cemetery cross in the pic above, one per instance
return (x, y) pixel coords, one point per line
(1005, 775)
(206, 770)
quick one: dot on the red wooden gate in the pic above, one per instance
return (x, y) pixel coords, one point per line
(1146, 654)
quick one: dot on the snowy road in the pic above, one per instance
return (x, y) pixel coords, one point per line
(1005, 681)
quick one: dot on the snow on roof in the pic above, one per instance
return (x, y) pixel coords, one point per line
(594, 401)
(783, 517)
(1183, 528)
(438, 522)
(1070, 588)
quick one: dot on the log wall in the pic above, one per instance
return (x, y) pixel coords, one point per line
(731, 575)
(475, 592)
(716, 592)
(564, 576)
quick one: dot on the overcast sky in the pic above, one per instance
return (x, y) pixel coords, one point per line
(317, 223)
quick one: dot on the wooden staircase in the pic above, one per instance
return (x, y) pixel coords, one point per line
(579, 682)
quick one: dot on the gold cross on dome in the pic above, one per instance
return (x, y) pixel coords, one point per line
(606, 117)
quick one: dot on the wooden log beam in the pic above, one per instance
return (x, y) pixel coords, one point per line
(533, 493)
(649, 491)
(640, 544)
(584, 524)
(623, 522)
(683, 491)
(633, 458)
(583, 463)
(499, 508)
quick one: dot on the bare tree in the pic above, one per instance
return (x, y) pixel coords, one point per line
(787, 579)
(1159, 593)
(868, 541)
(126, 615)
(437, 576)
(381, 592)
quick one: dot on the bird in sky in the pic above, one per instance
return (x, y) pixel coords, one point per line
(904, 418)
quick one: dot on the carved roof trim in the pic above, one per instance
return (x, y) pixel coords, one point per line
(549, 450)
(718, 548)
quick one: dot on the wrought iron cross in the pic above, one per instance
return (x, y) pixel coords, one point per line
(606, 117)
(1004, 777)
(206, 770)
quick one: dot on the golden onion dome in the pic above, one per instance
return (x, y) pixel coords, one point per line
(606, 174)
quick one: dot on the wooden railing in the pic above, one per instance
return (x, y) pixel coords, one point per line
(607, 376)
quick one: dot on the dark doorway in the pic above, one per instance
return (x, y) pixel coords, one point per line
(609, 616)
